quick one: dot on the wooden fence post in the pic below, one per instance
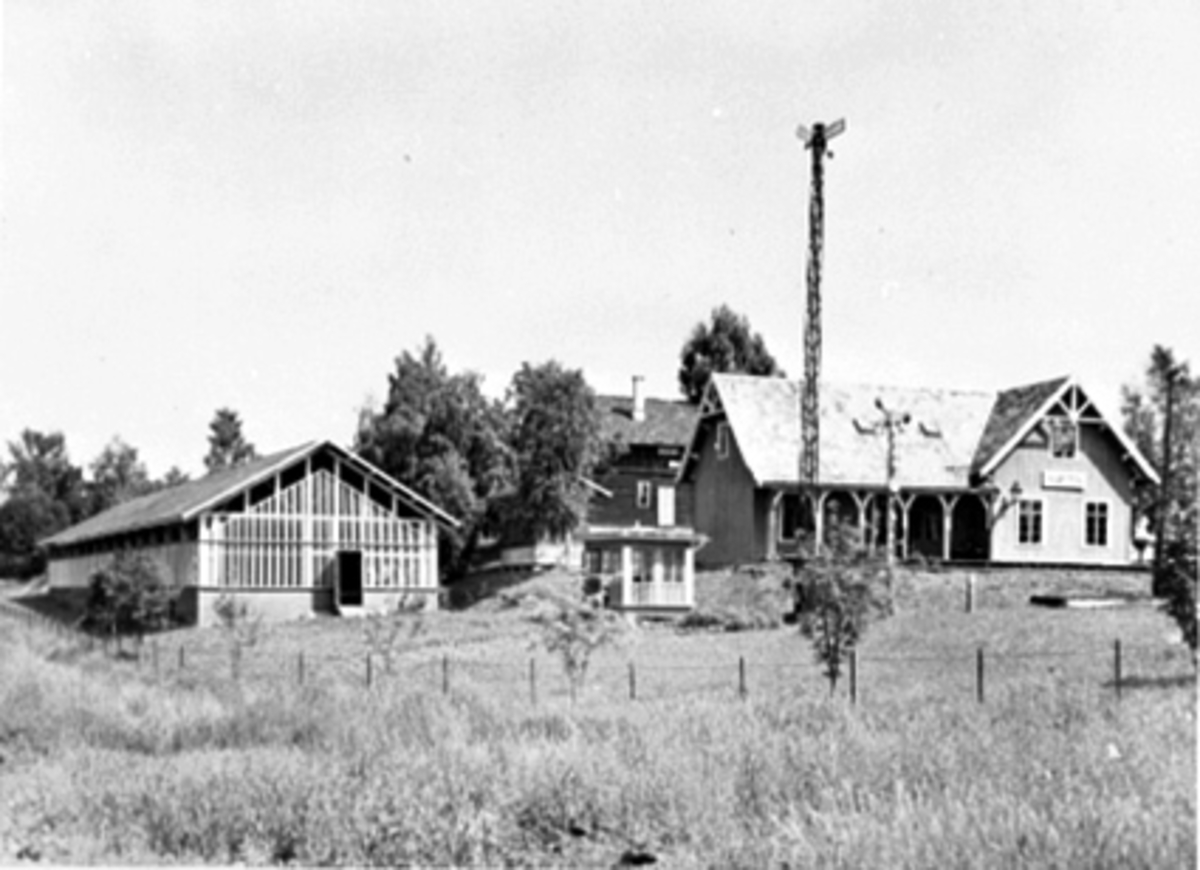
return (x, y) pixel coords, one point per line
(532, 681)
(1117, 666)
(632, 682)
(970, 593)
(154, 656)
(853, 676)
(368, 670)
(742, 677)
(979, 675)
(300, 668)
(445, 675)
(182, 657)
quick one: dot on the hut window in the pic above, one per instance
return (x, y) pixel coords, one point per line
(722, 446)
(643, 493)
(1064, 438)
(1029, 521)
(291, 475)
(1096, 524)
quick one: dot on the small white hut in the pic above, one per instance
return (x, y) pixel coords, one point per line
(311, 529)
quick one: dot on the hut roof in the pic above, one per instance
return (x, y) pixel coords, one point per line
(183, 502)
(667, 422)
(952, 435)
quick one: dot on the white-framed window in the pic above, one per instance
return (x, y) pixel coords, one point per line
(722, 446)
(643, 493)
(1029, 521)
(1063, 437)
(1095, 523)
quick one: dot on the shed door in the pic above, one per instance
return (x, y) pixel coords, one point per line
(350, 589)
(666, 505)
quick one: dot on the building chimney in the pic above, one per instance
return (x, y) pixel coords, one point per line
(639, 401)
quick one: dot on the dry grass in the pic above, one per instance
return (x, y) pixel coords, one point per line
(104, 763)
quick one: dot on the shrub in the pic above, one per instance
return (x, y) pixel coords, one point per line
(573, 631)
(843, 587)
(128, 595)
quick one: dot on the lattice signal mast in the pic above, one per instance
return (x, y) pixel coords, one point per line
(815, 140)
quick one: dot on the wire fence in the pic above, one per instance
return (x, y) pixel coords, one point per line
(539, 679)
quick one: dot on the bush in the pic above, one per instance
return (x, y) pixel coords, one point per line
(842, 589)
(128, 596)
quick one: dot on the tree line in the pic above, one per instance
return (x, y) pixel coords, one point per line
(513, 468)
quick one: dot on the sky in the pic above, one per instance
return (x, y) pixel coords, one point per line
(260, 205)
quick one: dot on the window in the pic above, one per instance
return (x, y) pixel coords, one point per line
(643, 493)
(1095, 524)
(1064, 437)
(722, 440)
(1029, 521)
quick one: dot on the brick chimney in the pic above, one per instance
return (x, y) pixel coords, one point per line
(639, 400)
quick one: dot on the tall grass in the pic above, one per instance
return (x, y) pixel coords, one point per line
(102, 767)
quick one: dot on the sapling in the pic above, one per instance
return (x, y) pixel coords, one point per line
(844, 588)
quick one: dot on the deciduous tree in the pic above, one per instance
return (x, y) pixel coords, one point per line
(725, 344)
(842, 589)
(555, 439)
(117, 476)
(439, 434)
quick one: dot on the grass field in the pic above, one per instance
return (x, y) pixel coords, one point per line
(108, 760)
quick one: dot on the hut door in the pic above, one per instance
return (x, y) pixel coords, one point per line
(350, 589)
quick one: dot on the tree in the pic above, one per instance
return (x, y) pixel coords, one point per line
(439, 434)
(128, 595)
(573, 631)
(174, 477)
(843, 587)
(725, 344)
(45, 494)
(1163, 419)
(117, 476)
(555, 439)
(25, 519)
(39, 465)
(227, 445)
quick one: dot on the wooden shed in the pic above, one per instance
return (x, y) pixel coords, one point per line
(306, 530)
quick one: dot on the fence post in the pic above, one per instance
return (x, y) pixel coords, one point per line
(979, 675)
(632, 682)
(182, 656)
(445, 675)
(970, 593)
(532, 681)
(154, 656)
(235, 661)
(300, 668)
(742, 677)
(1117, 666)
(853, 676)
(368, 670)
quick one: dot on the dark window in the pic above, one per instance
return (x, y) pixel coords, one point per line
(1029, 522)
(1096, 524)
(1064, 437)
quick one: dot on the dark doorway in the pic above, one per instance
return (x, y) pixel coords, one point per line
(970, 539)
(350, 576)
(925, 527)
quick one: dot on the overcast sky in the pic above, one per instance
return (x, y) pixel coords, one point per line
(259, 205)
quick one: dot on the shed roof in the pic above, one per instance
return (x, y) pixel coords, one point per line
(183, 502)
(953, 434)
(668, 422)
(935, 450)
